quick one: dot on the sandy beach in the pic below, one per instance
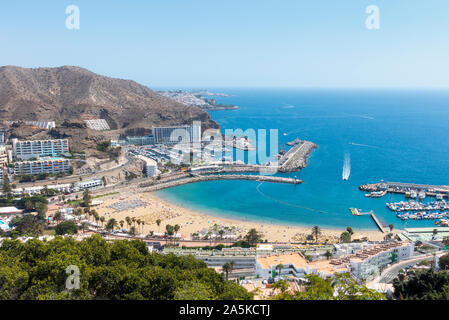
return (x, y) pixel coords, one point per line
(152, 208)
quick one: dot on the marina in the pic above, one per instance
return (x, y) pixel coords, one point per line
(434, 210)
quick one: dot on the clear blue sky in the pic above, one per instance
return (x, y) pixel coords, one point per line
(207, 43)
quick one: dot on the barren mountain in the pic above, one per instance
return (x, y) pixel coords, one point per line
(68, 93)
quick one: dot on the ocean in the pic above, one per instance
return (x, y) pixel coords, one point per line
(394, 135)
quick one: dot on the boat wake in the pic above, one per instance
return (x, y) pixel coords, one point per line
(362, 145)
(346, 167)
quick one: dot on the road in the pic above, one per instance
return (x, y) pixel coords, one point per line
(391, 272)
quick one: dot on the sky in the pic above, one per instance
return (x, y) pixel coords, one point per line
(244, 43)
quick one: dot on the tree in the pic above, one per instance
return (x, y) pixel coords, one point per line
(279, 267)
(27, 225)
(340, 287)
(121, 224)
(169, 231)
(391, 226)
(253, 237)
(7, 189)
(310, 237)
(84, 226)
(111, 224)
(350, 231)
(176, 228)
(41, 209)
(86, 198)
(128, 221)
(66, 227)
(316, 231)
(158, 222)
(138, 223)
(422, 285)
(281, 285)
(118, 270)
(227, 268)
(29, 206)
(444, 262)
(102, 220)
(345, 237)
(57, 217)
(328, 254)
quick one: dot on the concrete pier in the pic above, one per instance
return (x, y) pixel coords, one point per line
(213, 177)
(296, 157)
(379, 225)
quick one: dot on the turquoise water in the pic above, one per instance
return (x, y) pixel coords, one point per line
(392, 135)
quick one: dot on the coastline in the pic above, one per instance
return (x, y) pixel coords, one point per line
(191, 221)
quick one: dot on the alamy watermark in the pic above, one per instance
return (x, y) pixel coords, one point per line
(372, 22)
(73, 280)
(72, 21)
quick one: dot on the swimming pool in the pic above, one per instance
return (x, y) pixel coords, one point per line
(3, 225)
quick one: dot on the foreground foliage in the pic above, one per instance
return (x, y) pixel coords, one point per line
(422, 285)
(341, 287)
(118, 270)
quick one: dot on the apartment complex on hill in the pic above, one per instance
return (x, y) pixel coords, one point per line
(29, 149)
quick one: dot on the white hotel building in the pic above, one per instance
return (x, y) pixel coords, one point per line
(177, 134)
(43, 165)
(150, 166)
(39, 148)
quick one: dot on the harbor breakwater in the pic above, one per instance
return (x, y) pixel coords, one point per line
(296, 158)
(214, 177)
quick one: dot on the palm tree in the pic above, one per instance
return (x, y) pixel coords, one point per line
(84, 226)
(316, 231)
(328, 254)
(57, 217)
(112, 223)
(279, 267)
(96, 217)
(121, 224)
(134, 221)
(158, 222)
(176, 228)
(169, 231)
(128, 221)
(143, 224)
(138, 223)
(226, 269)
(102, 219)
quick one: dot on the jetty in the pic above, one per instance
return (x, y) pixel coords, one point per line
(296, 157)
(380, 189)
(358, 212)
(377, 222)
(158, 185)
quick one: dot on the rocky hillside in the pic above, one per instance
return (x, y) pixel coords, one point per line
(68, 93)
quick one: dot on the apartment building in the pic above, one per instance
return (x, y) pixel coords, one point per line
(43, 165)
(177, 134)
(3, 156)
(363, 264)
(28, 149)
(294, 265)
(150, 166)
(367, 263)
(91, 184)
